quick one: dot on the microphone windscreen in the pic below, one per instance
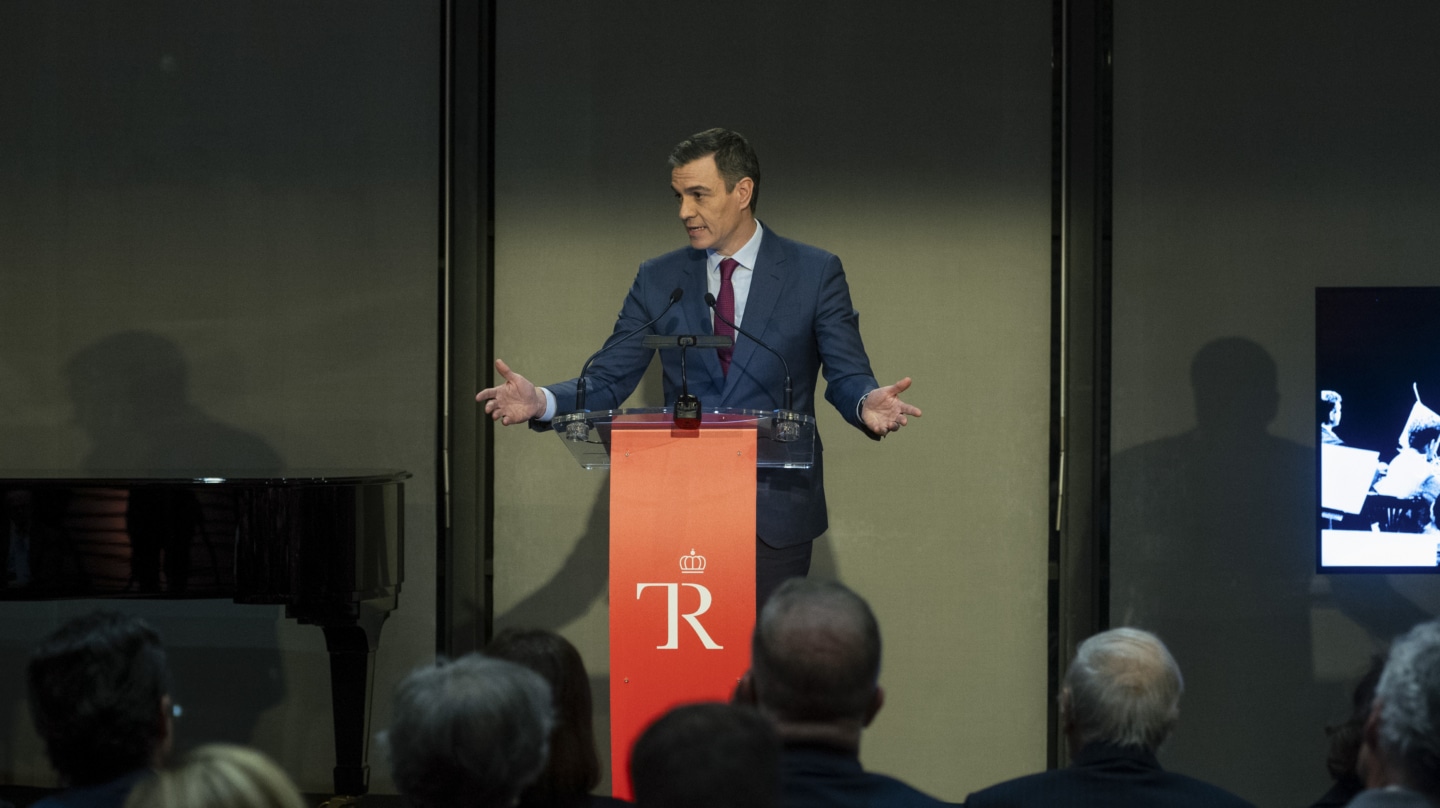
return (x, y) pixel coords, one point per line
(709, 300)
(676, 295)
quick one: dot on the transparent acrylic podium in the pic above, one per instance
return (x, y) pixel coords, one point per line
(783, 439)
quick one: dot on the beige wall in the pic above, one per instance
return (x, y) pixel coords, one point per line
(913, 143)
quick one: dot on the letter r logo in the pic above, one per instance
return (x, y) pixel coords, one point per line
(673, 615)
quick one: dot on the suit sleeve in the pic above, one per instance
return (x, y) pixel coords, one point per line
(844, 363)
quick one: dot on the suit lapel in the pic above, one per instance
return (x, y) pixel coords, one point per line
(698, 321)
(766, 286)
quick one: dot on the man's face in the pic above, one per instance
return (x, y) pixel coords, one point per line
(714, 218)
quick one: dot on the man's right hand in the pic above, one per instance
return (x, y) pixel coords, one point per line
(514, 402)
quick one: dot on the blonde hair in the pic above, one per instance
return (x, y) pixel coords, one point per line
(218, 776)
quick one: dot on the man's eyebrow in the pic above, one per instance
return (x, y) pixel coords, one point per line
(690, 189)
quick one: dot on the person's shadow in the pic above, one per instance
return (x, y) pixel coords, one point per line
(131, 400)
(1212, 548)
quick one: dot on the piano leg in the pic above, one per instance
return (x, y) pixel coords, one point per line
(351, 640)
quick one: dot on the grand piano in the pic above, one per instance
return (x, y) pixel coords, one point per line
(328, 545)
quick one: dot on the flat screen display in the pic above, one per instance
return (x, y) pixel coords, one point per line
(1377, 374)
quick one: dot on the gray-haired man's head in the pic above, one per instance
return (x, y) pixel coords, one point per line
(473, 731)
(1123, 689)
(1405, 722)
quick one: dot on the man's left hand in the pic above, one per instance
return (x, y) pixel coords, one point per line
(883, 412)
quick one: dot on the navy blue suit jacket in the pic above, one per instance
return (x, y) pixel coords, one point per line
(1103, 775)
(820, 776)
(799, 304)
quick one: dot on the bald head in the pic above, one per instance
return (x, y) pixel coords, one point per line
(816, 653)
(1124, 689)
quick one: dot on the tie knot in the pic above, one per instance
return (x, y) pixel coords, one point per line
(727, 268)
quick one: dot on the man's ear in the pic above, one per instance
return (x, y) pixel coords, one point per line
(745, 691)
(1370, 762)
(746, 190)
(166, 720)
(877, 700)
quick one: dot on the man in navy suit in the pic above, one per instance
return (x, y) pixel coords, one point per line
(791, 296)
(1120, 700)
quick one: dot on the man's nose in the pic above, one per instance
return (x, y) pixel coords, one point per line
(686, 208)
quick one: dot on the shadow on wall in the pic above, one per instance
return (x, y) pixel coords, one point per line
(130, 393)
(1213, 549)
(130, 397)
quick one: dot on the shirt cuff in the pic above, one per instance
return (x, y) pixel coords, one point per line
(549, 414)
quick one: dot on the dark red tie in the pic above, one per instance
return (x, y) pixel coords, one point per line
(725, 308)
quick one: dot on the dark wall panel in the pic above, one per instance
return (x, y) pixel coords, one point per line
(1261, 150)
(218, 241)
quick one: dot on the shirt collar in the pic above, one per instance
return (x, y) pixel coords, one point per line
(745, 256)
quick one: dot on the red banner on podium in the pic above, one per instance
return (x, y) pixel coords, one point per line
(682, 572)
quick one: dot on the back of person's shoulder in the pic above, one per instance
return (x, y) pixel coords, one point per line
(893, 793)
(1030, 789)
(1208, 795)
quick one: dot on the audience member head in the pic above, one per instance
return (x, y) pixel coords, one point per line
(1122, 689)
(573, 767)
(99, 691)
(815, 659)
(218, 776)
(473, 731)
(1402, 735)
(1347, 735)
(707, 756)
(734, 158)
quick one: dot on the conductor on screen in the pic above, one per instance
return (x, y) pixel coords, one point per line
(792, 296)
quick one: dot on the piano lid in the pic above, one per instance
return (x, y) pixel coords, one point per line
(310, 539)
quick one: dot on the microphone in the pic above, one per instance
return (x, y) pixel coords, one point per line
(580, 383)
(710, 301)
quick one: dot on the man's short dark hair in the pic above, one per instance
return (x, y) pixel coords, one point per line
(734, 158)
(815, 656)
(473, 731)
(95, 688)
(707, 756)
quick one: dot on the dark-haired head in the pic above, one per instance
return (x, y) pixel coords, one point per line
(707, 756)
(734, 158)
(99, 691)
(573, 768)
(815, 656)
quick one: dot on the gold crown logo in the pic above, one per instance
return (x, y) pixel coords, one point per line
(692, 562)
